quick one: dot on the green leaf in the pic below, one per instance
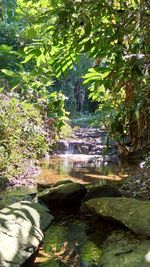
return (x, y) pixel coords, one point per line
(9, 73)
(28, 57)
(88, 28)
(31, 33)
(87, 46)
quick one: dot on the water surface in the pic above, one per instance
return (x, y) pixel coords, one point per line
(81, 168)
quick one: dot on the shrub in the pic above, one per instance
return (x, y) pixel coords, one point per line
(66, 131)
(21, 134)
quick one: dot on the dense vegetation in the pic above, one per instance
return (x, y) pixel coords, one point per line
(116, 34)
(21, 137)
(48, 48)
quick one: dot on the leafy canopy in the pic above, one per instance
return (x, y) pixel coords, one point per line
(114, 33)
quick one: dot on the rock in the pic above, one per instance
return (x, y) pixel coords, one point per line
(61, 146)
(21, 226)
(123, 249)
(133, 213)
(79, 147)
(84, 149)
(102, 191)
(75, 147)
(66, 195)
(97, 148)
(74, 249)
(44, 185)
(9, 199)
(62, 182)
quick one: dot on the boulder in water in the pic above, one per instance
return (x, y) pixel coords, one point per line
(66, 195)
(62, 182)
(44, 185)
(133, 213)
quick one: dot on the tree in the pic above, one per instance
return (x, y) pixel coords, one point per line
(116, 34)
(25, 99)
(70, 83)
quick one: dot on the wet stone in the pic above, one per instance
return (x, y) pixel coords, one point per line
(66, 195)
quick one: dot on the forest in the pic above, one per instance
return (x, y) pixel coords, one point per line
(75, 76)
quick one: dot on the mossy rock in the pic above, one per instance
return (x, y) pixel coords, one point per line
(133, 213)
(66, 243)
(123, 249)
(63, 195)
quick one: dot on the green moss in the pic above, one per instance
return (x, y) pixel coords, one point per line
(90, 254)
(51, 263)
(54, 238)
(61, 239)
(57, 234)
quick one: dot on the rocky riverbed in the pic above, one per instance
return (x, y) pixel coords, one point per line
(101, 153)
(105, 229)
(90, 237)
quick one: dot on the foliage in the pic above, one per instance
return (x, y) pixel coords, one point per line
(85, 119)
(66, 131)
(21, 137)
(116, 34)
(56, 110)
(25, 66)
(42, 39)
(71, 84)
(25, 82)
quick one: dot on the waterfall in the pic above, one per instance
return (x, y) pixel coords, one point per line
(69, 148)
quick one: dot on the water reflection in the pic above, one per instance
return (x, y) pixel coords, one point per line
(80, 168)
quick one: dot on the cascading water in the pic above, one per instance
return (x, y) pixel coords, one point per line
(69, 149)
(81, 158)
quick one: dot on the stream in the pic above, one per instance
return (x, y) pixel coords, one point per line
(84, 158)
(75, 240)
